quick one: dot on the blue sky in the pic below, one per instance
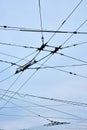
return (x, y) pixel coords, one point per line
(66, 81)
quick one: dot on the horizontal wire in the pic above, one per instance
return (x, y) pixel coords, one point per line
(38, 115)
(24, 116)
(8, 62)
(38, 30)
(16, 45)
(22, 95)
(49, 108)
(57, 66)
(28, 79)
(69, 46)
(31, 47)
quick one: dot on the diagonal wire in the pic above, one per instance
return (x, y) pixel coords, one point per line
(65, 20)
(28, 79)
(22, 95)
(73, 34)
(43, 106)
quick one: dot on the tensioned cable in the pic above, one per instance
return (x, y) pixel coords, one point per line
(69, 46)
(37, 30)
(34, 113)
(2, 53)
(66, 19)
(65, 71)
(12, 85)
(20, 59)
(62, 70)
(46, 107)
(57, 66)
(27, 116)
(22, 95)
(62, 54)
(73, 34)
(72, 57)
(41, 48)
(74, 45)
(31, 47)
(41, 24)
(28, 79)
(53, 99)
(8, 62)
(16, 45)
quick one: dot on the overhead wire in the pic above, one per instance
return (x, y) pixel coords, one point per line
(39, 115)
(67, 47)
(22, 95)
(20, 59)
(61, 70)
(44, 106)
(57, 66)
(38, 30)
(28, 110)
(66, 20)
(55, 51)
(28, 79)
(73, 34)
(41, 24)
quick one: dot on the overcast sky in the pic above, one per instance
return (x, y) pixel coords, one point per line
(58, 71)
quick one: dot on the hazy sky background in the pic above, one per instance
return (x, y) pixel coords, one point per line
(23, 111)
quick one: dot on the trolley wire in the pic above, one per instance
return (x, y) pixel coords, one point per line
(23, 95)
(66, 20)
(38, 30)
(46, 107)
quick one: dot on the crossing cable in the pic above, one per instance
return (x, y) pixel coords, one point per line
(54, 67)
(62, 54)
(33, 60)
(40, 116)
(66, 20)
(20, 59)
(8, 62)
(43, 106)
(69, 46)
(34, 113)
(38, 30)
(73, 34)
(31, 47)
(57, 66)
(64, 48)
(55, 51)
(23, 95)
(51, 99)
(13, 83)
(74, 45)
(54, 47)
(61, 70)
(28, 79)
(26, 67)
